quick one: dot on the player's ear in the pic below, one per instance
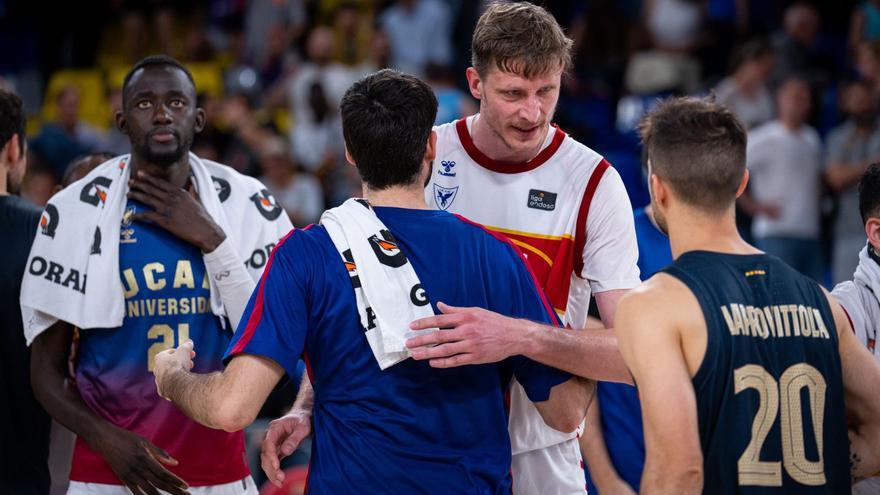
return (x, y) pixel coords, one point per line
(431, 149)
(120, 122)
(349, 158)
(743, 183)
(659, 194)
(872, 230)
(475, 83)
(201, 118)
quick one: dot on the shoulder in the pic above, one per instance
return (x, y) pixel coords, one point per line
(763, 132)
(660, 298)
(812, 136)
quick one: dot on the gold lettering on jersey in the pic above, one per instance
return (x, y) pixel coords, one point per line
(183, 275)
(129, 283)
(785, 320)
(170, 306)
(205, 284)
(150, 271)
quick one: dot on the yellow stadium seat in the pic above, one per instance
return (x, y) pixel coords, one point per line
(94, 108)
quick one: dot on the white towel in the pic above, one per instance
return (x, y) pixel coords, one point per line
(388, 291)
(73, 268)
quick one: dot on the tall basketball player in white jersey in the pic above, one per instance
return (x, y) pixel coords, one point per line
(511, 170)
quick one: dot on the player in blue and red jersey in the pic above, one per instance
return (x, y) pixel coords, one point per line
(409, 428)
(128, 438)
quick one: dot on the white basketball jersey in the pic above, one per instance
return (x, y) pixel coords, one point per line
(568, 211)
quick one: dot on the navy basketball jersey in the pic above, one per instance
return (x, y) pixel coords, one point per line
(770, 389)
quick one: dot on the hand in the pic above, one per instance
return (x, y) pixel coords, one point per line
(176, 210)
(282, 438)
(475, 336)
(167, 362)
(138, 463)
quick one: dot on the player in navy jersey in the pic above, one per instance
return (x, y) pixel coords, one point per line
(128, 437)
(410, 428)
(748, 373)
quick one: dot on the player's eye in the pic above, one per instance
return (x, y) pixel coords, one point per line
(177, 103)
(144, 104)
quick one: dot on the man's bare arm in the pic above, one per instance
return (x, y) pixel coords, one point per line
(651, 346)
(227, 400)
(567, 405)
(861, 382)
(475, 335)
(134, 459)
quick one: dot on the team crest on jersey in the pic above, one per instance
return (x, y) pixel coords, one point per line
(126, 232)
(444, 196)
(446, 168)
(49, 221)
(266, 204)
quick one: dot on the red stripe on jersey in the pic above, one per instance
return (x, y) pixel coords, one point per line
(503, 238)
(257, 312)
(851, 326)
(507, 167)
(551, 260)
(580, 237)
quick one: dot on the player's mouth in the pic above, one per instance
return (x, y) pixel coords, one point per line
(526, 133)
(162, 135)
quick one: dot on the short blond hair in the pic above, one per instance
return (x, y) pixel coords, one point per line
(519, 38)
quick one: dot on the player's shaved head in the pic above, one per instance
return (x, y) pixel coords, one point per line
(698, 147)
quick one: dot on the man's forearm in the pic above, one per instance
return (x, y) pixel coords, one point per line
(54, 390)
(590, 354)
(196, 395)
(595, 451)
(305, 397)
(662, 477)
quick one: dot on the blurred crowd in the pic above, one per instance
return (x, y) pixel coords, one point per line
(803, 76)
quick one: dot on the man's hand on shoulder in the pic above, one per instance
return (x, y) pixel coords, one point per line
(468, 336)
(176, 210)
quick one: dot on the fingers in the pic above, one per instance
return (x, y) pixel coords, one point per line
(269, 460)
(447, 309)
(144, 198)
(160, 455)
(293, 440)
(165, 480)
(439, 321)
(440, 351)
(435, 338)
(451, 362)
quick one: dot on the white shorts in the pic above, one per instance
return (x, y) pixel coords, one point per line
(244, 486)
(553, 470)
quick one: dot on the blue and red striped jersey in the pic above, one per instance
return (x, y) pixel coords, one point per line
(410, 428)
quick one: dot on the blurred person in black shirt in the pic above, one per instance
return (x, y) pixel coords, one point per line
(24, 425)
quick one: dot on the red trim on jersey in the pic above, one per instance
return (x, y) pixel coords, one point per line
(580, 236)
(506, 167)
(518, 251)
(257, 312)
(851, 325)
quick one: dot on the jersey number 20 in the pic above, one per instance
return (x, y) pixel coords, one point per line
(787, 393)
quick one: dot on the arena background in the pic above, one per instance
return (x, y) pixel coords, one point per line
(270, 74)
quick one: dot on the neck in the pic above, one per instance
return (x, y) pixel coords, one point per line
(790, 124)
(487, 141)
(177, 173)
(412, 197)
(690, 230)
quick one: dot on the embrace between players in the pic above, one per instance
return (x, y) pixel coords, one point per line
(748, 373)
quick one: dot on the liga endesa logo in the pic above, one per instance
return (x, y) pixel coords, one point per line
(266, 204)
(49, 221)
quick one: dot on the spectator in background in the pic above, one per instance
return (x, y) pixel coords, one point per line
(795, 54)
(67, 137)
(24, 425)
(285, 18)
(867, 64)
(865, 23)
(352, 31)
(298, 193)
(850, 149)
(420, 32)
(115, 141)
(745, 91)
(39, 183)
(319, 67)
(784, 163)
(453, 103)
